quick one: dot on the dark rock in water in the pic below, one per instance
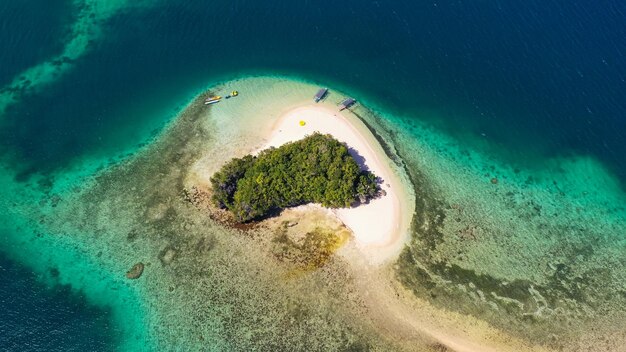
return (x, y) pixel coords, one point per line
(132, 235)
(494, 181)
(468, 233)
(54, 200)
(167, 255)
(135, 272)
(54, 272)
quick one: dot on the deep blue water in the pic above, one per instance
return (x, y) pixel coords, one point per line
(29, 35)
(536, 79)
(542, 78)
(38, 317)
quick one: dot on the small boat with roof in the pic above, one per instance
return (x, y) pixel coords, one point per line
(320, 94)
(212, 100)
(348, 102)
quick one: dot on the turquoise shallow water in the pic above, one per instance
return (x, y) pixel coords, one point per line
(102, 312)
(528, 94)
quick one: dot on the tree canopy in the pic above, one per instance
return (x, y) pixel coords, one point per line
(316, 169)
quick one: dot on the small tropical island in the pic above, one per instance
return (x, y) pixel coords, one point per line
(301, 161)
(317, 169)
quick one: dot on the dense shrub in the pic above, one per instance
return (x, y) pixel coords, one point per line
(316, 169)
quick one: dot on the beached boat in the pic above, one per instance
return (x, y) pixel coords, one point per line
(212, 100)
(348, 102)
(320, 94)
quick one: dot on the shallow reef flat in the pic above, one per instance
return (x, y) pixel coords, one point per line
(499, 258)
(536, 251)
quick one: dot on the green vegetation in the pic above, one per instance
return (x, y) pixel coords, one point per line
(316, 169)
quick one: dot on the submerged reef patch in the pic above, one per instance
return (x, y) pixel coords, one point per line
(91, 14)
(308, 241)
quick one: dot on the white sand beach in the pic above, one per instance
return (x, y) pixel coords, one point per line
(380, 227)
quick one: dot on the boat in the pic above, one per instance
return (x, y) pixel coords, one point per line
(212, 100)
(348, 102)
(320, 94)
